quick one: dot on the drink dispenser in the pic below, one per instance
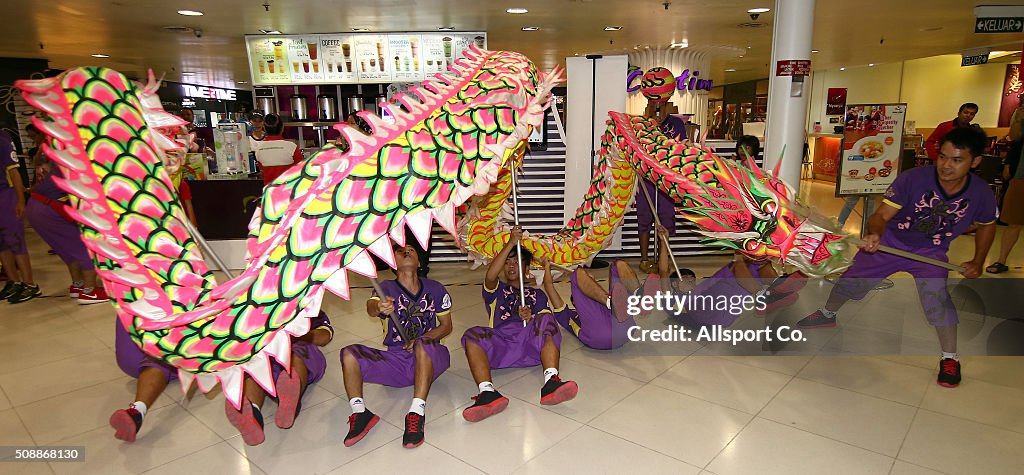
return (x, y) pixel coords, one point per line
(327, 106)
(300, 110)
(355, 104)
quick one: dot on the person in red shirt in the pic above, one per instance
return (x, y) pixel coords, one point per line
(963, 119)
(274, 153)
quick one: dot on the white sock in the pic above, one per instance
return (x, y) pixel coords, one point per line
(953, 356)
(486, 386)
(78, 283)
(358, 405)
(548, 373)
(418, 406)
(139, 406)
(828, 313)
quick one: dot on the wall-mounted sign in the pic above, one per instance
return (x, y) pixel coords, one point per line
(686, 81)
(204, 92)
(793, 67)
(974, 57)
(835, 103)
(999, 25)
(355, 58)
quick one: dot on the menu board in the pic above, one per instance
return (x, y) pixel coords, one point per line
(355, 58)
(872, 148)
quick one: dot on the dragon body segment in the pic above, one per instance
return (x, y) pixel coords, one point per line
(317, 221)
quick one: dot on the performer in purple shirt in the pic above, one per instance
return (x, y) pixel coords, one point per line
(308, 366)
(423, 308)
(923, 211)
(517, 337)
(20, 285)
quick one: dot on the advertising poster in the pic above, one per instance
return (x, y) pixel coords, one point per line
(268, 60)
(354, 58)
(836, 101)
(872, 148)
(1013, 88)
(403, 57)
(336, 54)
(303, 59)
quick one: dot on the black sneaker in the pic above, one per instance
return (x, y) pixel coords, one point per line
(949, 373)
(10, 288)
(488, 403)
(25, 293)
(413, 430)
(126, 423)
(776, 300)
(359, 424)
(556, 391)
(816, 320)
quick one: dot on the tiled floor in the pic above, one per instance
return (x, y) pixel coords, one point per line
(692, 409)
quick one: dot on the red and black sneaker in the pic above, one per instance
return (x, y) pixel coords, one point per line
(248, 420)
(413, 430)
(949, 373)
(816, 320)
(776, 300)
(556, 391)
(488, 403)
(788, 283)
(289, 398)
(359, 424)
(74, 291)
(126, 423)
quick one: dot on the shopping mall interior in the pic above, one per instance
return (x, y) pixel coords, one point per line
(212, 258)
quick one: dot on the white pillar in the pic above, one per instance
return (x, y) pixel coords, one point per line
(787, 97)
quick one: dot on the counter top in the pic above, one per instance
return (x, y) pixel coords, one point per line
(824, 135)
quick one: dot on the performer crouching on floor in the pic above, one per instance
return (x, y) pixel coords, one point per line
(308, 367)
(423, 307)
(517, 336)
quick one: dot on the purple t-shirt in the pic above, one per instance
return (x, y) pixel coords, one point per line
(928, 219)
(8, 160)
(503, 304)
(417, 312)
(321, 321)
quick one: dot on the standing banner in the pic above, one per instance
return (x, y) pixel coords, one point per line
(871, 150)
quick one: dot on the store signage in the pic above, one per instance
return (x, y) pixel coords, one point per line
(687, 81)
(871, 150)
(203, 92)
(999, 25)
(836, 102)
(973, 59)
(793, 67)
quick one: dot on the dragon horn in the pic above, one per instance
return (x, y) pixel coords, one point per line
(778, 165)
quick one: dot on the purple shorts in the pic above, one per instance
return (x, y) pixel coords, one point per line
(12, 230)
(666, 209)
(869, 269)
(396, 367)
(722, 283)
(592, 321)
(60, 234)
(132, 360)
(311, 356)
(512, 345)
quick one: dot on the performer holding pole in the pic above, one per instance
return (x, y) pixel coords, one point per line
(519, 247)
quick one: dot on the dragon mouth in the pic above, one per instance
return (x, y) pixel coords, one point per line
(818, 250)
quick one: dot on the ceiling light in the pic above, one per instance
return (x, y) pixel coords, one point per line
(190, 13)
(517, 11)
(759, 10)
(815, 51)
(741, 55)
(530, 28)
(871, 65)
(730, 70)
(681, 44)
(100, 55)
(360, 29)
(612, 28)
(445, 28)
(842, 69)
(241, 82)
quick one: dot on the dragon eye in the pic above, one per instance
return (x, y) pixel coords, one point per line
(769, 206)
(751, 244)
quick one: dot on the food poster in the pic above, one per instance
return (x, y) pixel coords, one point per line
(371, 52)
(336, 55)
(304, 59)
(404, 57)
(872, 148)
(268, 60)
(434, 59)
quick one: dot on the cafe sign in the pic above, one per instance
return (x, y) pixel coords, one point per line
(688, 80)
(203, 92)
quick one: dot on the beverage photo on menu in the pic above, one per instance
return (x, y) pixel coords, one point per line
(267, 61)
(401, 57)
(335, 52)
(371, 52)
